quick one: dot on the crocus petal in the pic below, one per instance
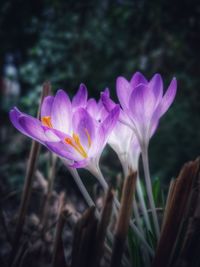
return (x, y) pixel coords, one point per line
(51, 135)
(142, 103)
(120, 138)
(137, 79)
(123, 91)
(156, 85)
(92, 107)
(60, 149)
(154, 121)
(33, 128)
(47, 106)
(110, 121)
(80, 99)
(169, 96)
(14, 115)
(61, 112)
(98, 143)
(106, 92)
(84, 126)
(107, 102)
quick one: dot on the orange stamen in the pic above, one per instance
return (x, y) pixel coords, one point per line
(46, 121)
(77, 145)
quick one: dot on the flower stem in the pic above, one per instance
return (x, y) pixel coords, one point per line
(137, 216)
(81, 187)
(135, 207)
(98, 174)
(149, 189)
(142, 203)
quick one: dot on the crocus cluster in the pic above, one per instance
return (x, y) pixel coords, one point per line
(67, 127)
(79, 129)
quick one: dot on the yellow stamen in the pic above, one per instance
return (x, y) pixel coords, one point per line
(89, 138)
(77, 145)
(46, 121)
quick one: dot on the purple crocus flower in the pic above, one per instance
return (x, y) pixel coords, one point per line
(143, 103)
(67, 129)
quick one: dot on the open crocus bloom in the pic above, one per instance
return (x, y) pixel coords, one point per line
(67, 129)
(143, 103)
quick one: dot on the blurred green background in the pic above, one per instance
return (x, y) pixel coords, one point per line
(69, 42)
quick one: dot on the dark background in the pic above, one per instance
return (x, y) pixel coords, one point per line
(69, 42)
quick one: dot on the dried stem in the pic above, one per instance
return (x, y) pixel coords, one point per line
(122, 225)
(51, 177)
(84, 239)
(175, 213)
(58, 258)
(26, 194)
(102, 227)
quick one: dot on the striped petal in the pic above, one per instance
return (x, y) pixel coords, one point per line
(169, 96)
(47, 106)
(61, 112)
(123, 88)
(80, 99)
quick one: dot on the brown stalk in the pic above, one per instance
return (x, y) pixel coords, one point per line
(102, 228)
(84, 239)
(26, 193)
(58, 258)
(47, 197)
(176, 211)
(168, 202)
(186, 252)
(122, 225)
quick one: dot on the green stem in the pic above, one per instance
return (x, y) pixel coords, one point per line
(149, 189)
(142, 203)
(98, 174)
(81, 187)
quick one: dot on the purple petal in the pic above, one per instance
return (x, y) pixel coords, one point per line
(33, 128)
(106, 92)
(103, 132)
(52, 135)
(107, 102)
(61, 150)
(142, 103)
(156, 85)
(61, 112)
(80, 99)
(154, 121)
(92, 108)
(169, 96)
(47, 106)
(123, 91)
(110, 121)
(84, 126)
(14, 115)
(137, 79)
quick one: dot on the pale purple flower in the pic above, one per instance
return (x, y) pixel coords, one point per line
(122, 139)
(67, 128)
(143, 103)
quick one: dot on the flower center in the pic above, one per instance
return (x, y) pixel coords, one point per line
(76, 144)
(46, 121)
